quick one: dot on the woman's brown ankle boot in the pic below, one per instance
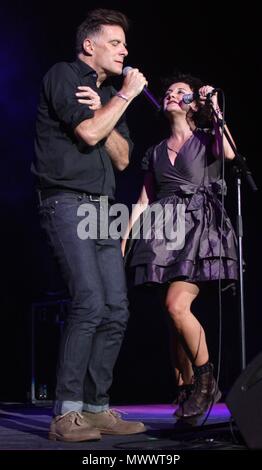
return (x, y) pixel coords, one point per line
(204, 394)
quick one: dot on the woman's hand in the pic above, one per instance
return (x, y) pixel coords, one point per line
(87, 95)
(203, 93)
(123, 247)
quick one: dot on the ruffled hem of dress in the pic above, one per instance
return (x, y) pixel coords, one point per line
(204, 270)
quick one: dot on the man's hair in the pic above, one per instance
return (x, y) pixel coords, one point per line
(94, 22)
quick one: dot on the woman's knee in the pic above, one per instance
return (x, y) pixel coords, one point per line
(177, 309)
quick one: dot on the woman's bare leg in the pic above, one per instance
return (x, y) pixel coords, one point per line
(181, 363)
(179, 298)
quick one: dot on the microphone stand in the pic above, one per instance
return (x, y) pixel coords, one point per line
(240, 168)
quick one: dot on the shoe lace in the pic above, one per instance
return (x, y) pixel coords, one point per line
(72, 416)
(116, 413)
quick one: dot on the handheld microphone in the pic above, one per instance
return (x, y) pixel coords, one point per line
(146, 92)
(189, 97)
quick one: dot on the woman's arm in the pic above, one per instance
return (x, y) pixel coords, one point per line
(146, 197)
(218, 146)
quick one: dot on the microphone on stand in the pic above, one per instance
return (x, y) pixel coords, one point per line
(189, 97)
(146, 92)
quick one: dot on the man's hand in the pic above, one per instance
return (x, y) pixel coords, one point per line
(86, 95)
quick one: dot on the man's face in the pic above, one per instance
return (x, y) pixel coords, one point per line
(109, 50)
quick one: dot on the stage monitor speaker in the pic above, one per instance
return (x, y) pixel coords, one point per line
(245, 403)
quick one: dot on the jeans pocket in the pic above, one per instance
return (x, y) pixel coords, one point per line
(48, 207)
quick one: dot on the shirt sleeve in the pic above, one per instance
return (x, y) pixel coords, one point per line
(60, 85)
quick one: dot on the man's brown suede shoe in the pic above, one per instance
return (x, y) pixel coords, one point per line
(110, 422)
(71, 427)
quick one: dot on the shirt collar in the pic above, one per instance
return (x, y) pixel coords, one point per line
(85, 69)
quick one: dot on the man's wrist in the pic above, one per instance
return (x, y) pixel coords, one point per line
(122, 95)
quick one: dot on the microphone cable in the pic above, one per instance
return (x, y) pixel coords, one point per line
(223, 123)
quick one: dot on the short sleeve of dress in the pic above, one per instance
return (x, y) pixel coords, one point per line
(147, 160)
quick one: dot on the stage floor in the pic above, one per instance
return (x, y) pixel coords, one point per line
(25, 427)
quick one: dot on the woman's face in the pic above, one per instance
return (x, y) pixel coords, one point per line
(173, 97)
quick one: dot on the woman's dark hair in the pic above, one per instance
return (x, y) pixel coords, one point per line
(201, 117)
(95, 20)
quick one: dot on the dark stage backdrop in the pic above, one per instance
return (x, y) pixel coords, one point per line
(211, 44)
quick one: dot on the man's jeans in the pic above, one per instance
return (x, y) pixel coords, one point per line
(94, 274)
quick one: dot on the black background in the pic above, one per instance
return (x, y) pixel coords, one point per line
(206, 40)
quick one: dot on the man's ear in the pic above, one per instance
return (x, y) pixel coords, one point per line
(88, 46)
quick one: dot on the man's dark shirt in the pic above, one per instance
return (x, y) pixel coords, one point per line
(63, 161)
